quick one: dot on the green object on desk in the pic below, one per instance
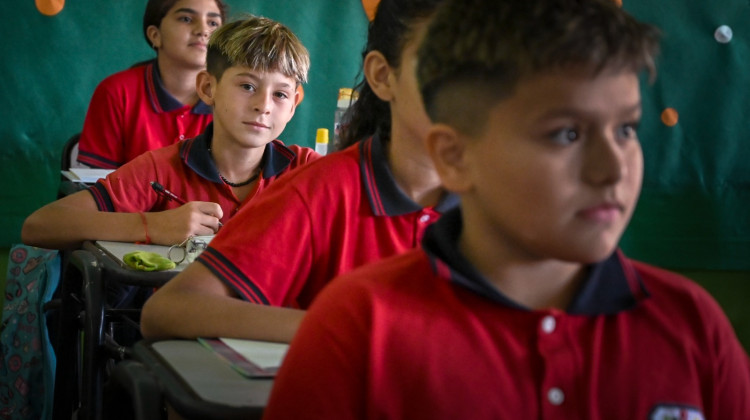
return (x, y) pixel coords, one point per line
(147, 261)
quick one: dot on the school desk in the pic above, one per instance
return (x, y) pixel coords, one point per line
(192, 379)
(86, 272)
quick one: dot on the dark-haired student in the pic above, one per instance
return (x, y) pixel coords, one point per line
(369, 201)
(520, 305)
(154, 104)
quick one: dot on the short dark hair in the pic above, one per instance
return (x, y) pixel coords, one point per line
(258, 43)
(157, 9)
(484, 47)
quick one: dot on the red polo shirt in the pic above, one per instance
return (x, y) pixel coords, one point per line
(131, 113)
(424, 336)
(337, 213)
(187, 170)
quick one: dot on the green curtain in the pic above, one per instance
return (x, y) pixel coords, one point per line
(692, 214)
(51, 65)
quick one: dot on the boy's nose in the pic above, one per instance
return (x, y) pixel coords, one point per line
(604, 161)
(263, 103)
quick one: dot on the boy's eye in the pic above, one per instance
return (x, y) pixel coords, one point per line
(282, 95)
(565, 136)
(214, 23)
(248, 87)
(185, 19)
(628, 131)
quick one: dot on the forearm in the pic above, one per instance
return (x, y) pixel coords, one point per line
(182, 310)
(59, 226)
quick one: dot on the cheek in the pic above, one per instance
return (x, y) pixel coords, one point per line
(635, 170)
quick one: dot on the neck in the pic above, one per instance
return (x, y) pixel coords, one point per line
(178, 80)
(532, 281)
(235, 164)
(413, 170)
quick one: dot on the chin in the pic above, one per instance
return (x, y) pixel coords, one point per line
(594, 254)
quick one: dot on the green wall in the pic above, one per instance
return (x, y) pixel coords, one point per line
(53, 63)
(696, 192)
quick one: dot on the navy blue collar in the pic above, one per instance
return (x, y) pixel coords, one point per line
(608, 288)
(196, 155)
(164, 101)
(386, 198)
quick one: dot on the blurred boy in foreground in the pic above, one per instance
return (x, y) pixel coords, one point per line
(520, 305)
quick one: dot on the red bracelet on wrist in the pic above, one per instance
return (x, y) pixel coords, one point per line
(145, 229)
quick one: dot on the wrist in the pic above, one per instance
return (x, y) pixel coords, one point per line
(144, 222)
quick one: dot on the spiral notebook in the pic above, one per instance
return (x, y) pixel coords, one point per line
(251, 358)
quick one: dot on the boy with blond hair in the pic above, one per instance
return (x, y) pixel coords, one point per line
(520, 305)
(254, 66)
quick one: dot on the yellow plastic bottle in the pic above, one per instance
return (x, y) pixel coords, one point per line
(321, 141)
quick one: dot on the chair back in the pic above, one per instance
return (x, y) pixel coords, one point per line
(69, 158)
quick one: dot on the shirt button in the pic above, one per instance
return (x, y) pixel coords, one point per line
(182, 137)
(555, 396)
(549, 324)
(424, 218)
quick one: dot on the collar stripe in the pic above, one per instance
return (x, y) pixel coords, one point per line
(368, 171)
(151, 88)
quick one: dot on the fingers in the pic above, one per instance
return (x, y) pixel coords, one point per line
(210, 216)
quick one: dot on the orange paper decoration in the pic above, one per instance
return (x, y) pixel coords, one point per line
(670, 117)
(50, 7)
(370, 7)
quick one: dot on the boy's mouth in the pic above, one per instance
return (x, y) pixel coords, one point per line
(257, 124)
(605, 212)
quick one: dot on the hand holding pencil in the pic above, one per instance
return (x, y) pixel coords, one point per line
(169, 195)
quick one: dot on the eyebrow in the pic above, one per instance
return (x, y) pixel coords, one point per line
(257, 77)
(567, 112)
(195, 12)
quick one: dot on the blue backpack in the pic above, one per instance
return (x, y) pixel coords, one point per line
(27, 361)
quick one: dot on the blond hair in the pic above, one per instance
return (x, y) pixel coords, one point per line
(258, 43)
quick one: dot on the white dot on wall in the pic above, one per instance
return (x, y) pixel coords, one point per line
(723, 34)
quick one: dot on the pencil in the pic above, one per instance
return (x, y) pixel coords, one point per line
(169, 195)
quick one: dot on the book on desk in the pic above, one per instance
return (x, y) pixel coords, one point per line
(86, 175)
(251, 358)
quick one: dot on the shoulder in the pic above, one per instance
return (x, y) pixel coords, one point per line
(302, 153)
(337, 171)
(403, 277)
(681, 303)
(170, 152)
(132, 77)
(667, 285)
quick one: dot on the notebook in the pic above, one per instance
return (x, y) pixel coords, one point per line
(87, 175)
(251, 358)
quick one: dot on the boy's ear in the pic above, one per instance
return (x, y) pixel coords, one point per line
(377, 71)
(205, 84)
(299, 95)
(154, 36)
(447, 149)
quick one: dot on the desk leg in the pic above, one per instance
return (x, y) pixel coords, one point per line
(92, 377)
(67, 378)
